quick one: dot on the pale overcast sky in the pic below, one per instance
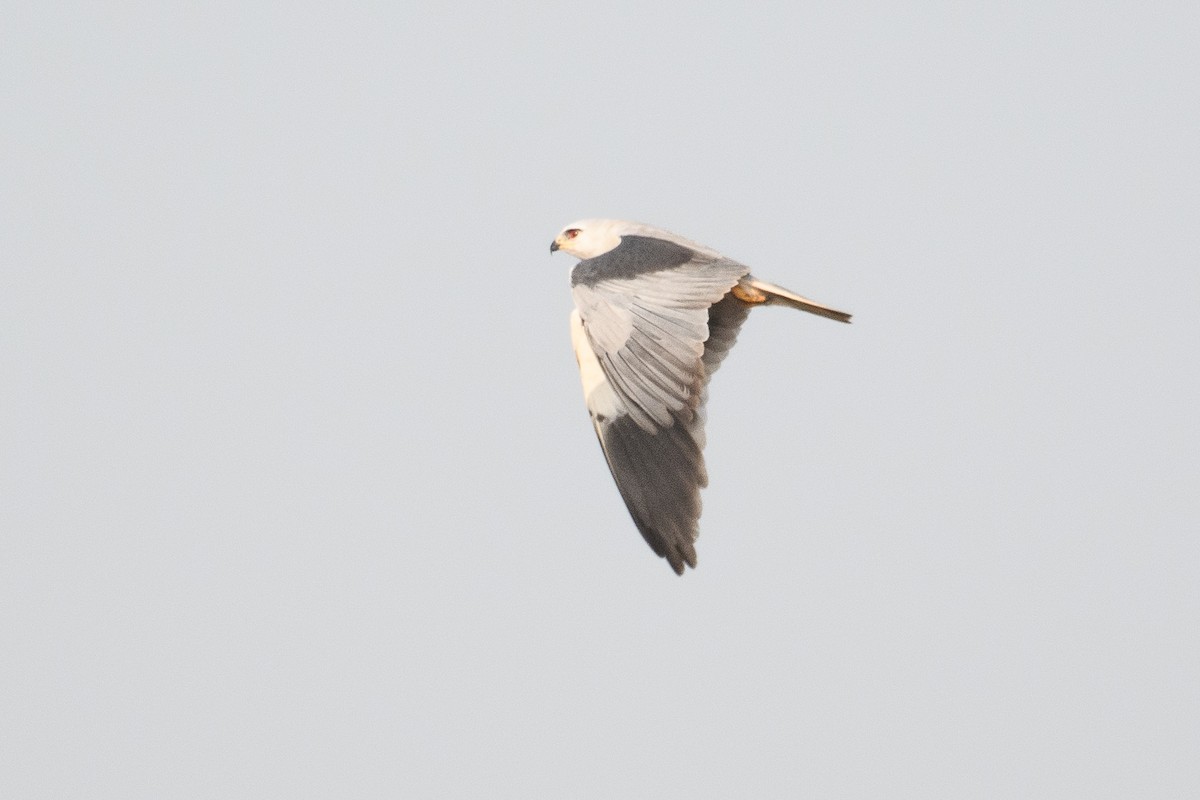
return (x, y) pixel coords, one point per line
(299, 497)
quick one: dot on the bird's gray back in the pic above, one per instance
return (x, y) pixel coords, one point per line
(634, 256)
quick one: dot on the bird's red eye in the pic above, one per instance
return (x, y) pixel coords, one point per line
(571, 233)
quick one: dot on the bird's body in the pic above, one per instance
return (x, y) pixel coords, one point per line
(655, 315)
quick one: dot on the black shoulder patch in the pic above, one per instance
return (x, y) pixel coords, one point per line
(634, 256)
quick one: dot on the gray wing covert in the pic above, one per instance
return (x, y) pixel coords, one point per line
(649, 335)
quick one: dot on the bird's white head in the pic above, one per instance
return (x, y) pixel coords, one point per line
(589, 238)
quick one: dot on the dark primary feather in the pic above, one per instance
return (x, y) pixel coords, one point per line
(659, 477)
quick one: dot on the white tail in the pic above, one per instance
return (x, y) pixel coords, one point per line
(752, 290)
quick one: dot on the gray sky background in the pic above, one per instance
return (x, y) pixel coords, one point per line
(299, 495)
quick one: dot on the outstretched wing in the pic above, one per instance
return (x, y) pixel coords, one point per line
(645, 349)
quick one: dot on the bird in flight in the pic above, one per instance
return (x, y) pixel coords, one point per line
(655, 314)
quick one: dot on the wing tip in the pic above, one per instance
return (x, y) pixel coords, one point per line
(680, 561)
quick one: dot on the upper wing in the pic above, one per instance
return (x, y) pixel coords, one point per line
(641, 344)
(649, 332)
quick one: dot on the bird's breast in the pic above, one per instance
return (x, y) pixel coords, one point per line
(597, 392)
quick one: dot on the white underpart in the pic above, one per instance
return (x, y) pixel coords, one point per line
(597, 392)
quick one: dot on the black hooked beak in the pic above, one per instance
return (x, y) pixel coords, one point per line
(553, 245)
